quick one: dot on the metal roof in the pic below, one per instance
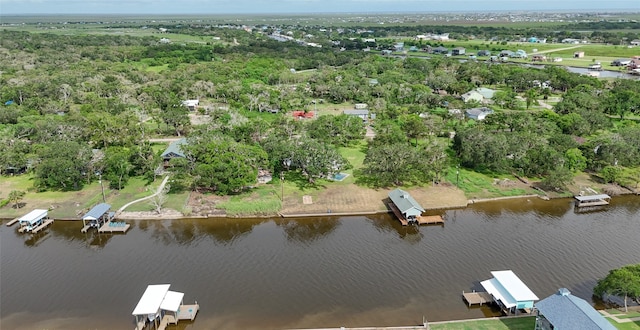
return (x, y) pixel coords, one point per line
(33, 216)
(403, 201)
(566, 311)
(174, 150)
(172, 301)
(508, 288)
(151, 299)
(97, 211)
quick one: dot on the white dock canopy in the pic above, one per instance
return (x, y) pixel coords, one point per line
(172, 301)
(33, 216)
(151, 300)
(508, 288)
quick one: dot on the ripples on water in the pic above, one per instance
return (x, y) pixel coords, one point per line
(320, 272)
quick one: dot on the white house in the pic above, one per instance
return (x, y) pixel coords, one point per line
(472, 96)
(191, 104)
(478, 113)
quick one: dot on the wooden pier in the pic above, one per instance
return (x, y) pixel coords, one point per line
(430, 219)
(114, 227)
(477, 298)
(398, 214)
(188, 312)
(12, 222)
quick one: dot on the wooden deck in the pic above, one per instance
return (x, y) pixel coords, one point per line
(12, 222)
(114, 227)
(430, 219)
(591, 204)
(188, 312)
(477, 298)
(85, 228)
(166, 320)
(44, 225)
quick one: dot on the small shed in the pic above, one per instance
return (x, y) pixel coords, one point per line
(578, 54)
(509, 291)
(458, 51)
(192, 105)
(408, 207)
(563, 310)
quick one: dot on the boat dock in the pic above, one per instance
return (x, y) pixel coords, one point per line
(592, 200)
(34, 221)
(114, 227)
(429, 219)
(158, 303)
(477, 298)
(12, 222)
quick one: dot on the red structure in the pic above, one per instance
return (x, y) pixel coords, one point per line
(299, 114)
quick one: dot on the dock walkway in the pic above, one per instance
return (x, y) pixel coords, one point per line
(188, 312)
(12, 222)
(477, 298)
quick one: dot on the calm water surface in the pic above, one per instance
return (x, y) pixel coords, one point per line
(300, 273)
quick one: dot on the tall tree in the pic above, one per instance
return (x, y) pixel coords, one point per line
(624, 281)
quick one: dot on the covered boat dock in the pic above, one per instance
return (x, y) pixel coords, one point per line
(408, 210)
(34, 221)
(96, 217)
(592, 200)
(162, 307)
(509, 292)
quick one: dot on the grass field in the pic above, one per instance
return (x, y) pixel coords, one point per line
(507, 323)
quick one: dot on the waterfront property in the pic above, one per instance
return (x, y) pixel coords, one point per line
(97, 217)
(563, 310)
(162, 307)
(34, 221)
(509, 292)
(592, 200)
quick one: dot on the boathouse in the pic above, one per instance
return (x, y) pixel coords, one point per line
(34, 221)
(162, 307)
(509, 292)
(563, 310)
(404, 206)
(96, 217)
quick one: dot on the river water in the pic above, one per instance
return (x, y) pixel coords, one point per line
(310, 272)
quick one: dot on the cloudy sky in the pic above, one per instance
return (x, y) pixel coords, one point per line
(10, 7)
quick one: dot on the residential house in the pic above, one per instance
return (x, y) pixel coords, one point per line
(478, 113)
(634, 64)
(386, 52)
(192, 105)
(472, 96)
(578, 54)
(484, 52)
(519, 54)
(487, 93)
(174, 150)
(458, 51)
(635, 42)
(398, 47)
(621, 62)
(570, 41)
(509, 292)
(363, 114)
(565, 311)
(440, 50)
(413, 49)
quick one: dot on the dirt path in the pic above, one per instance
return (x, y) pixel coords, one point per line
(557, 49)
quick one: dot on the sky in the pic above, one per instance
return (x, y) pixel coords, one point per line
(17, 7)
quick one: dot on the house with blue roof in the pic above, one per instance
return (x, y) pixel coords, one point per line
(564, 311)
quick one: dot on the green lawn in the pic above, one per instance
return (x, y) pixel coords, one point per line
(479, 185)
(262, 200)
(506, 323)
(625, 326)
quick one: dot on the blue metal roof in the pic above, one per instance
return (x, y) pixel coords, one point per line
(403, 201)
(566, 311)
(174, 149)
(97, 211)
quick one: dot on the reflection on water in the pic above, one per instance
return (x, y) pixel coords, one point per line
(310, 272)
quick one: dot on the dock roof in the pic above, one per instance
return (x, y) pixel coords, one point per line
(592, 197)
(508, 288)
(566, 311)
(33, 216)
(97, 211)
(403, 201)
(151, 299)
(172, 301)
